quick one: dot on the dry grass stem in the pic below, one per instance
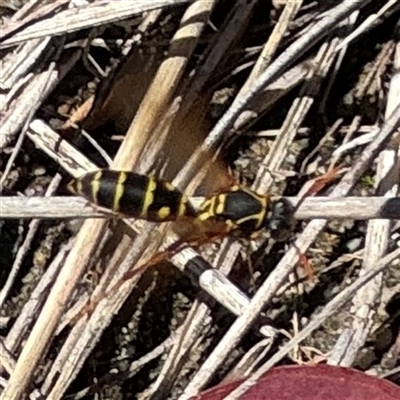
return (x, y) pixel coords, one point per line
(378, 235)
(287, 263)
(390, 7)
(29, 98)
(33, 227)
(317, 320)
(18, 64)
(74, 19)
(97, 318)
(282, 98)
(31, 309)
(288, 14)
(341, 208)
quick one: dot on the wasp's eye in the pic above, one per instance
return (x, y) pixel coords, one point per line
(281, 221)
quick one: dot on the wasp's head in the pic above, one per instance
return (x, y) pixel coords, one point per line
(280, 221)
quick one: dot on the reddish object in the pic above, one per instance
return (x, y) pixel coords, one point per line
(320, 382)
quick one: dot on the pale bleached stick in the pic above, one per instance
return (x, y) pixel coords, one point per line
(377, 242)
(30, 97)
(76, 164)
(298, 111)
(153, 107)
(387, 9)
(278, 33)
(17, 65)
(341, 208)
(7, 360)
(286, 265)
(25, 246)
(317, 321)
(369, 130)
(344, 28)
(287, 58)
(87, 241)
(155, 104)
(30, 13)
(90, 15)
(275, 158)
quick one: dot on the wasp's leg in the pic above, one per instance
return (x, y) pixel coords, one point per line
(304, 262)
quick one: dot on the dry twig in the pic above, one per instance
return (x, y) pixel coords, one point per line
(286, 265)
(32, 229)
(377, 241)
(87, 241)
(357, 208)
(317, 320)
(168, 101)
(74, 19)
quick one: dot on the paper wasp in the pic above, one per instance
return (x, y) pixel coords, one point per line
(238, 211)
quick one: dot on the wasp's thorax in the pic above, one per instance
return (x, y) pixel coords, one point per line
(245, 212)
(242, 210)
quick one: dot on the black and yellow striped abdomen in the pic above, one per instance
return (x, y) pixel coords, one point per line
(133, 195)
(242, 210)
